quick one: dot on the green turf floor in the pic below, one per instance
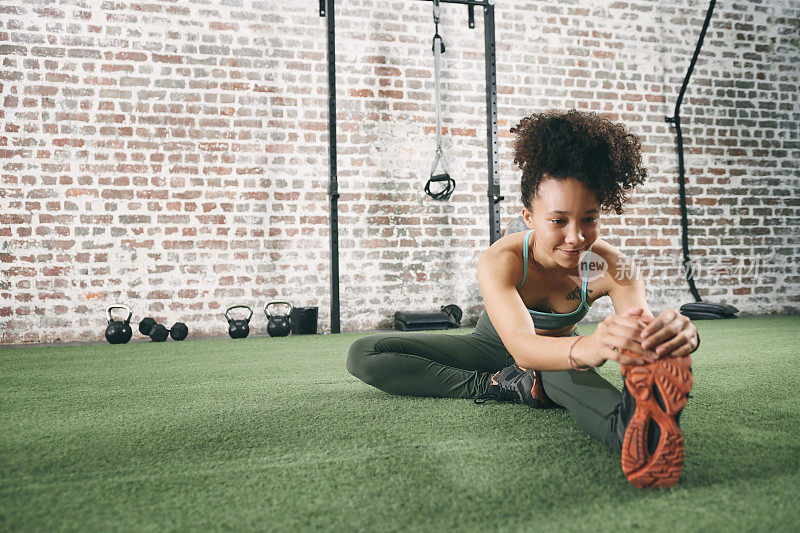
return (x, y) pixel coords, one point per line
(274, 434)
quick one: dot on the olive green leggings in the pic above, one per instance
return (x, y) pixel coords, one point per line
(460, 366)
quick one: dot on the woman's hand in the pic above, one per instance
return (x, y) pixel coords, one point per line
(670, 334)
(616, 338)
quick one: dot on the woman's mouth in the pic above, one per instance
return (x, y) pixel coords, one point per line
(571, 253)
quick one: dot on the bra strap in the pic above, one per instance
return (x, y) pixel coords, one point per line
(525, 259)
(585, 276)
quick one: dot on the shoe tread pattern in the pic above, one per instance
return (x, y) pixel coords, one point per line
(673, 380)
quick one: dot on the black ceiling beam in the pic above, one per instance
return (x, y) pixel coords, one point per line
(465, 2)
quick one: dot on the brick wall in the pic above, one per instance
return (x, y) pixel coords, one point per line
(173, 155)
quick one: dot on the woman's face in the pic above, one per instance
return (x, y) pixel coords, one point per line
(566, 220)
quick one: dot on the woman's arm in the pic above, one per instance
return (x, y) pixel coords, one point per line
(669, 334)
(625, 283)
(499, 273)
(619, 332)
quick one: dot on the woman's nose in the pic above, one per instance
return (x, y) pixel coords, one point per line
(574, 235)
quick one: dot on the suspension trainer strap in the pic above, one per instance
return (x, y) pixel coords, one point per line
(438, 50)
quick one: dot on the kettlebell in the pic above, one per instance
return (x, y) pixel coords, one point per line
(118, 332)
(239, 329)
(278, 325)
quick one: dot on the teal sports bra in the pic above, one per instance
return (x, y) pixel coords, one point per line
(557, 320)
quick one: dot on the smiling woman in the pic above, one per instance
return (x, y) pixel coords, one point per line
(574, 165)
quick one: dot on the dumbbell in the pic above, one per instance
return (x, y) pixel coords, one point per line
(158, 333)
(178, 331)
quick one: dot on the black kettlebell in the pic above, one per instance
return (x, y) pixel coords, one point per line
(157, 333)
(278, 325)
(118, 331)
(239, 329)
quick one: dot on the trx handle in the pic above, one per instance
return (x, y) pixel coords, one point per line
(445, 193)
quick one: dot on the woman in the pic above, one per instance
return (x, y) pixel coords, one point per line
(526, 347)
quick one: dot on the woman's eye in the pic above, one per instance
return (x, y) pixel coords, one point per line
(589, 220)
(557, 221)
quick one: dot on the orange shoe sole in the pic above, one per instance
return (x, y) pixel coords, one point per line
(673, 380)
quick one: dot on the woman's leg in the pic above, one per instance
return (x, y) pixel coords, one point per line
(641, 423)
(427, 364)
(593, 402)
(461, 366)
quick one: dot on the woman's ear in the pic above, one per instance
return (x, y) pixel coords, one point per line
(527, 216)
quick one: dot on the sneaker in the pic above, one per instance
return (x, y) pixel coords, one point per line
(517, 385)
(652, 400)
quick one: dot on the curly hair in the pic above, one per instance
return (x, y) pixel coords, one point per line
(601, 154)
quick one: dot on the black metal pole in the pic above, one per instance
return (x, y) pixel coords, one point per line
(333, 184)
(491, 123)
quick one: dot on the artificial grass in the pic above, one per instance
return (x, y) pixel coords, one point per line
(274, 434)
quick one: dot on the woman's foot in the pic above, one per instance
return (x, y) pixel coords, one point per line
(652, 399)
(518, 385)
